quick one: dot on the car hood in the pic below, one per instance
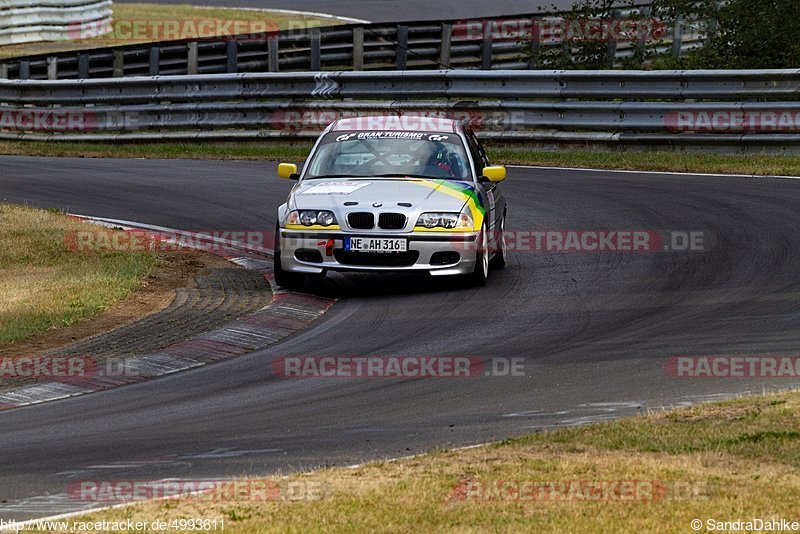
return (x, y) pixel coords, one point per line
(364, 193)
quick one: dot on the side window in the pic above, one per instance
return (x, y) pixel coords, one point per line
(479, 147)
(477, 153)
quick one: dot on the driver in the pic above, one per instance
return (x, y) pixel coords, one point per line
(448, 162)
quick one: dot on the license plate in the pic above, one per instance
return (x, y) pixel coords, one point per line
(375, 244)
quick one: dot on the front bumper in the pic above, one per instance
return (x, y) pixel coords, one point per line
(426, 252)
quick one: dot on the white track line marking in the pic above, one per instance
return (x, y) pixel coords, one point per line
(21, 526)
(32, 522)
(295, 12)
(419, 455)
(668, 173)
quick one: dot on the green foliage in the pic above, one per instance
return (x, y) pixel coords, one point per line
(578, 53)
(741, 34)
(737, 34)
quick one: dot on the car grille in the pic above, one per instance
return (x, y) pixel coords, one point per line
(392, 221)
(372, 259)
(361, 220)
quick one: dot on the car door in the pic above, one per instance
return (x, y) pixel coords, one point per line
(494, 201)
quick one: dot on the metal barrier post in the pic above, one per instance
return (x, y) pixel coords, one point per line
(401, 59)
(232, 53)
(118, 63)
(612, 43)
(24, 69)
(272, 51)
(52, 68)
(83, 66)
(358, 48)
(534, 48)
(155, 58)
(316, 49)
(192, 66)
(444, 51)
(677, 37)
(486, 46)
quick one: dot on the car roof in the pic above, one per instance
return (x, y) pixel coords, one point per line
(396, 123)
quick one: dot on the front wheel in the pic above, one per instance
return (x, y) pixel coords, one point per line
(499, 259)
(284, 278)
(479, 276)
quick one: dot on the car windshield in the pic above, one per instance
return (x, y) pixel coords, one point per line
(375, 153)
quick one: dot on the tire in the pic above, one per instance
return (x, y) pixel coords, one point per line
(498, 261)
(479, 276)
(283, 278)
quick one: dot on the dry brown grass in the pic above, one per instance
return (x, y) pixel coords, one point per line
(734, 460)
(145, 15)
(44, 285)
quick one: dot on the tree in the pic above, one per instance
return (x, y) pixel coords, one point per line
(736, 34)
(739, 34)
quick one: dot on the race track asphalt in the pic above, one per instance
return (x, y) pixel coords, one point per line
(594, 330)
(387, 10)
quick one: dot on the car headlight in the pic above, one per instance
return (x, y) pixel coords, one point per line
(445, 220)
(308, 218)
(311, 218)
(325, 218)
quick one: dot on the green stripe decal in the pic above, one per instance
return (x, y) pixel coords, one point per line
(464, 191)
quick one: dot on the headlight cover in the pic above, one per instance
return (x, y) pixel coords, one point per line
(311, 218)
(450, 221)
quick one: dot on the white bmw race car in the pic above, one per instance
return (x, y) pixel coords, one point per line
(392, 193)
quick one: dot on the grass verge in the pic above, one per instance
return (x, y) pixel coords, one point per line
(763, 165)
(737, 459)
(199, 150)
(44, 285)
(144, 23)
(755, 164)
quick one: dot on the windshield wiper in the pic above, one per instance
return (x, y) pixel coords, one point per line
(334, 176)
(390, 175)
(403, 175)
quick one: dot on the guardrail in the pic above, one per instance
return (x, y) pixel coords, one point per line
(25, 21)
(733, 111)
(497, 43)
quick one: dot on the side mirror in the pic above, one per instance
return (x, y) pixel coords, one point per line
(288, 171)
(494, 174)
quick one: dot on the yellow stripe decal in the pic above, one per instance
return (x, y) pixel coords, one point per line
(333, 227)
(475, 211)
